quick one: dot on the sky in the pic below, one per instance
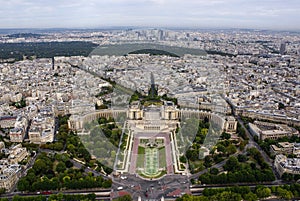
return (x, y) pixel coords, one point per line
(257, 14)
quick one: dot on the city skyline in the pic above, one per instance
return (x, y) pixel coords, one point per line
(77, 113)
(267, 14)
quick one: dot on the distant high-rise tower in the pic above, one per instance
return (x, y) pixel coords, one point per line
(160, 34)
(283, 48)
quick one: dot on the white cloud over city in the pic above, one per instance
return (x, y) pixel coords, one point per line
(268, 14)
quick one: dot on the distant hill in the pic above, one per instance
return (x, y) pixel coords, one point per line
(153, 52)
(25, 35)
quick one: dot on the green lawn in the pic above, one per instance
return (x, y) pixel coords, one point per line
(140, 161)
(141, 150)
(162, 158)
(141, 157)
(151, 160)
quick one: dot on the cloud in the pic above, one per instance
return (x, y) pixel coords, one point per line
(74, 13)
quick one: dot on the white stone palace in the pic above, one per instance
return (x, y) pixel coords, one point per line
(154, 122)
(168, 112)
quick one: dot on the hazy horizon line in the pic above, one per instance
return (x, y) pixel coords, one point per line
(120, 27)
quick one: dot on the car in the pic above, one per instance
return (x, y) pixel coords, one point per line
(123, 177)
(46, 192)
(120, 188)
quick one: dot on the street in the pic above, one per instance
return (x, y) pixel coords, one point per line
(168, 186)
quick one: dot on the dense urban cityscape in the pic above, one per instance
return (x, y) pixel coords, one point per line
(150, 114)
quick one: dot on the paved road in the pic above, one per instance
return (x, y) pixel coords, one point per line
(77, 164)
(103, 194)
(218, 165)
(197, 189)
(87, 169)
(24, 172)
(168, 186)
(252, 143)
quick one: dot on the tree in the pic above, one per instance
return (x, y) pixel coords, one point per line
(23, 184)
(207, 161)
(124, 198)
(40, 166)
(62, 135)
(182, 159)
(225, 196)
(287, 177)
(192, 155)
(204, 131)
(205, 178)
(231, 149)
(61, 167)
(107, 184)
(31, 177)
(281, 106)
(21, 103)
(214, 171)
(56, 197)
(71, 148)
(58, 146)
(232, 164)
(66, 179)
(69, 164)
(2, 191)
(263, 192)
(250, 196)
(225, 136)
(221, 148)
(192, 198)
(242, 158)
(243, 145)
(82, 152)
(55, 184)
(253, 166)
(283, 193)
